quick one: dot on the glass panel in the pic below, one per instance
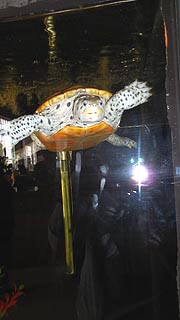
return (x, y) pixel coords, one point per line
(25, 9)
(124, 212)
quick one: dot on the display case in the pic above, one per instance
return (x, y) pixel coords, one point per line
(89, 172)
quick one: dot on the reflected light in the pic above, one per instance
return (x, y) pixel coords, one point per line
(140, 174)
(50, 29)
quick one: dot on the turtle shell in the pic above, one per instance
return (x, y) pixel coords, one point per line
(75, 137)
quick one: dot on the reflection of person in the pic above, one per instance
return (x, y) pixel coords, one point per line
(41, 172)
(94, 170)
(6, 227)
(21, 167)
(92, 180)
(126, 265)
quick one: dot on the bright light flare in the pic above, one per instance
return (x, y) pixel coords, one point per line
(140, 174)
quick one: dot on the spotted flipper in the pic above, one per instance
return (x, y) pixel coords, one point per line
(22, 127)
(118, 141)
(129, 97)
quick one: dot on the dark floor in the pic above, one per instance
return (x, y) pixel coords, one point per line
(51, 294)
(48, 294)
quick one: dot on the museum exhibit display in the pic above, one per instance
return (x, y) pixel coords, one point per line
(89, 159)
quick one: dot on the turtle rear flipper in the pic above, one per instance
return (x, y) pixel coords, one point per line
(118, 141)
(39, 145)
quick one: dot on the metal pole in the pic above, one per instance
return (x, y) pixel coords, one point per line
(67, 208)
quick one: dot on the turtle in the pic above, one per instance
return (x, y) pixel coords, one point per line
(79, 118)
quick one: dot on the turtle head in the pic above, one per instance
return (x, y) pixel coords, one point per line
(88, 109)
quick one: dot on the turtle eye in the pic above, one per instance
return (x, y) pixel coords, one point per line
(101, 103)
(84, 103)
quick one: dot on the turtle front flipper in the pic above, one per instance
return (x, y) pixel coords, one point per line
(22, 127)
(118, 141)
(131, 96)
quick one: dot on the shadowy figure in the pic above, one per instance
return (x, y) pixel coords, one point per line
(21, 167)
(41, 173)
(6, 226)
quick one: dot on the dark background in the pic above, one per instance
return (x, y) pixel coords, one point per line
(125, 251)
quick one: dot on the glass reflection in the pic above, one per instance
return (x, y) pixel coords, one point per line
(50, 28)
(124, 231)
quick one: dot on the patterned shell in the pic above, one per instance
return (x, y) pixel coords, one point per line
(74, 137)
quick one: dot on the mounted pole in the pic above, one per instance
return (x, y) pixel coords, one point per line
(66, 187)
